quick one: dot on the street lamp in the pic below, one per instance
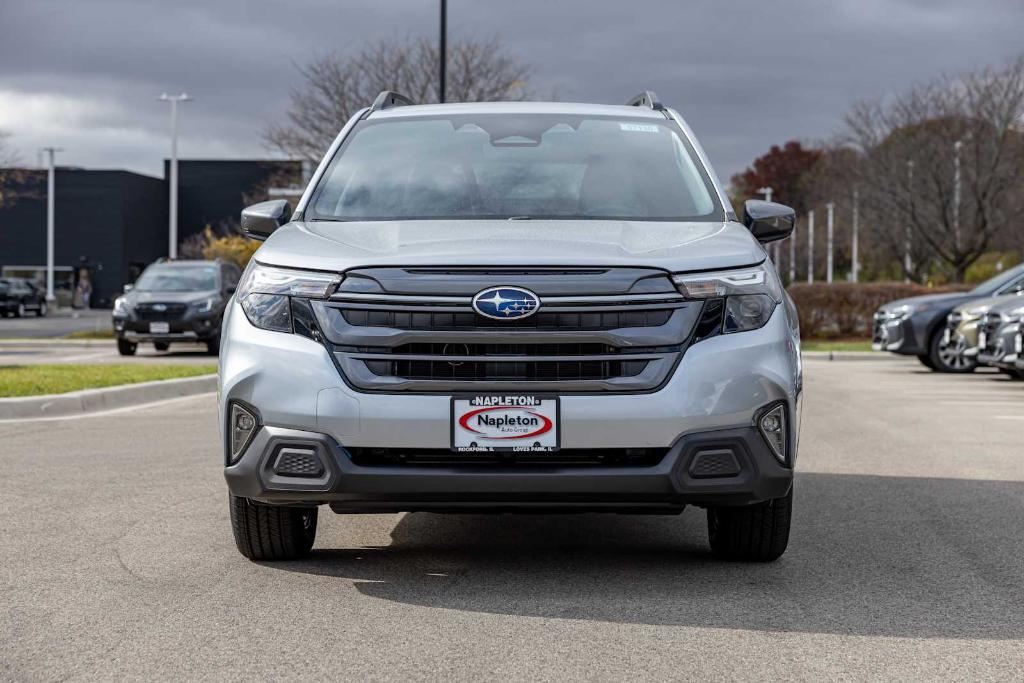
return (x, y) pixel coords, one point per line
(830, 208)
(957, 146)
(51, 182)
(908, 264)
(443, 52)
(172, 249)
(855, 269)
(810, 246)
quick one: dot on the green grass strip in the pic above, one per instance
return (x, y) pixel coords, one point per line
(37, 380)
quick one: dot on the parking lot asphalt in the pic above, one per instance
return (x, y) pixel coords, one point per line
(58, 323)
(906, 561)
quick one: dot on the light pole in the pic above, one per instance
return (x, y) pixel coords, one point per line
(172, 222)
(51, 182)
(443, 52)
(855, 266)
(830, 207)
(792, 256)
(957, 146)
(810, 246)
(907, 262)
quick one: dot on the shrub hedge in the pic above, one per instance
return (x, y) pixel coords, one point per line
(843, 310)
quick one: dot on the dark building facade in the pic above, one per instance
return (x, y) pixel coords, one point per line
(112, 224)
(214, 192)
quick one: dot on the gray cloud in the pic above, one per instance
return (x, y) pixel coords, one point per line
(85, 74)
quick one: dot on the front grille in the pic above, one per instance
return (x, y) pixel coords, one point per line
(504, 371)
(410, 320)
(428, 338)
(159, 311)
(567, 457)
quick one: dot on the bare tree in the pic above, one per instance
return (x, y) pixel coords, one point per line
(334, 87)
(941, 167)
(15, 182)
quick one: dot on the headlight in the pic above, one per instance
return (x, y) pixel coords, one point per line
(204, 306)
(121, 306)
(265, 290)
(900, 312)
(751, 294)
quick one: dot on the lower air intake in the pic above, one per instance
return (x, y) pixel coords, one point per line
(296, 462)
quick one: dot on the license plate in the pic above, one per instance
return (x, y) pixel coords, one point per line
(982, 340)
(159, 328)
(523, 423)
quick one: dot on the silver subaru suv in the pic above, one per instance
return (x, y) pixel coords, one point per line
(512, 307)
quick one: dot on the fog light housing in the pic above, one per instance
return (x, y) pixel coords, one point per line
(242, 427)
(773, 428)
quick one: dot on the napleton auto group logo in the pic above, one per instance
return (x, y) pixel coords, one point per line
(506, 303)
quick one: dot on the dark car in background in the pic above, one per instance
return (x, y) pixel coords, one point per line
(18, 296)
(917, 326)
(174, 302)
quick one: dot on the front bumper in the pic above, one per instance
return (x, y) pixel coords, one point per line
(190, 328)
(893, 334)
(751, 474)
(1002, 350)
(716, 391)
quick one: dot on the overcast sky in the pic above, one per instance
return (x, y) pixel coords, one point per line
(84, 74)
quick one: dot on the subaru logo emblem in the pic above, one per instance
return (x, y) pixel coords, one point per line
(159, 307)
(506, 303)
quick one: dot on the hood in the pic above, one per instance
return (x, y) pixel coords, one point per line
(338, 246)
(145, 297)
(1007, 302)
(995, 303)
(980, 305)
(929, 301)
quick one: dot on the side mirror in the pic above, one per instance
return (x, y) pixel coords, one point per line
(260, 220)
(128, 288)
(768, 221)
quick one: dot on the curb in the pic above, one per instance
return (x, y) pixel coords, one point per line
(850, 355)
(107, 398)
(55, 341)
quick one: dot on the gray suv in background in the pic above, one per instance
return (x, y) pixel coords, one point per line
(918, 326)
(174, 302)
(512, 307)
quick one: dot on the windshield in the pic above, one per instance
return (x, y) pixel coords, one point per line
(515, 166)
(178, 279)
(997, 282)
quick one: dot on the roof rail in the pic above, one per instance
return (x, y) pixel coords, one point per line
(387, 99)
(646, 99)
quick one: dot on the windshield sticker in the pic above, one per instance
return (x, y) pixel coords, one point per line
(639, 127)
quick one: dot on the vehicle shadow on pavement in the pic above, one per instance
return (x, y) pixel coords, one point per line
(876, 556)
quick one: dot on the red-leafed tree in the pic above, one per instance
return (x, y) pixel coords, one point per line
(782, 169)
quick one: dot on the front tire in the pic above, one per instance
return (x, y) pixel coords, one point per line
(271, 532)
(41, 311)
(126, 348)
(19, 312)
(926, 361)
(949, 356)
(752, 533)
